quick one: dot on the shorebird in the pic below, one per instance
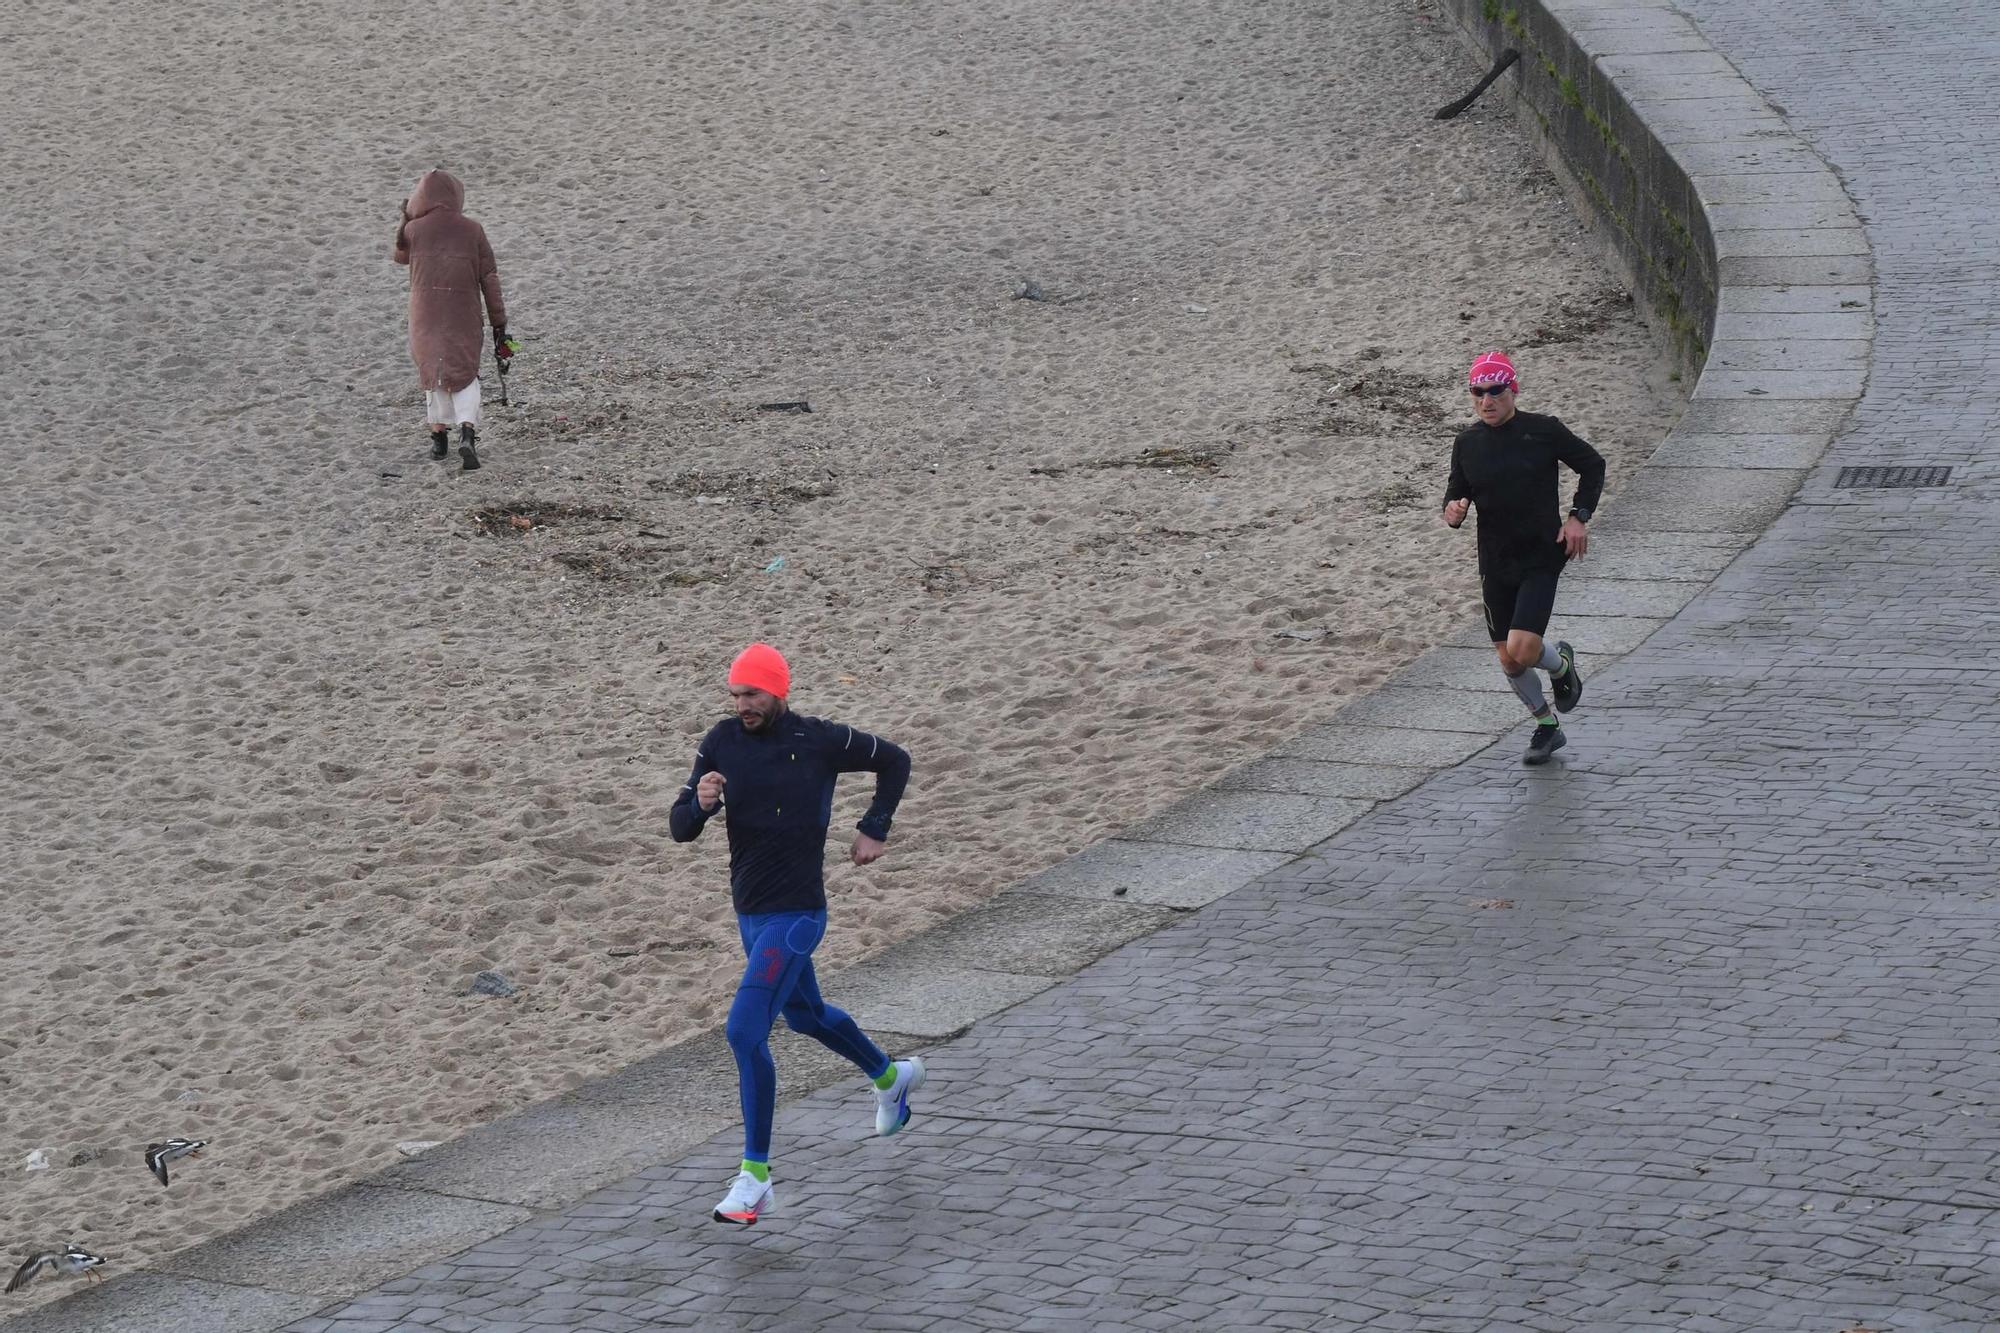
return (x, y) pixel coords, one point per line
(69, 1261)
(159, 1154)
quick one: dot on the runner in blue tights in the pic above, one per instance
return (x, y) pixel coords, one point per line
(773, 771)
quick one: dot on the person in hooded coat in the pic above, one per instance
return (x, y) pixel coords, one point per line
(451, 268)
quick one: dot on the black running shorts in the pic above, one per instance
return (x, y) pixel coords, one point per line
(1524, 605)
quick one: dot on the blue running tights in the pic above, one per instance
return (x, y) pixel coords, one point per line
(778, 979)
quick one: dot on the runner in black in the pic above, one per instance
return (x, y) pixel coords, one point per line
(1506, 465)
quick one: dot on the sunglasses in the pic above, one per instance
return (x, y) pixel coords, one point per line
(1491, 390)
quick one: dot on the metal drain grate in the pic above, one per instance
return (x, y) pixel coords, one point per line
(1876, 478)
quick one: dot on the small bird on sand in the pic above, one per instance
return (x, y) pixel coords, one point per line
(69, 1261)
(159, 1154)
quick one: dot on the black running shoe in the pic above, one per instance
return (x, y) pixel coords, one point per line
(440, 443)
(1548, 739)
(1568, 687)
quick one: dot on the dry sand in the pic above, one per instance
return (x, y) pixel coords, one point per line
(296, 744)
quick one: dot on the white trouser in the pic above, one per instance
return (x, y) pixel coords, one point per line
(443, 408)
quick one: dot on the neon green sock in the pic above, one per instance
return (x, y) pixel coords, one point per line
(888, 1078)
(1545, 720)
(761, 1170)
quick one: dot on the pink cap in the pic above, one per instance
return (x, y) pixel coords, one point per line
(1493, 368)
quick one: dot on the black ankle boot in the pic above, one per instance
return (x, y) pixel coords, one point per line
(440, 443)
(468, 449)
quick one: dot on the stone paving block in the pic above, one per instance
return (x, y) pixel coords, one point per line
(934, 1001)
(1849, 358)
(1352, 743)
(158, 1303)
(1320, 778)
(1725, 382)
(1687, 557)
(1643, 41)
(1790, 242)
(1721, 189)
(1451, 667)
(1486, 706)
(1251, 821)
(1156, 873)
(1579, 595)
(1718, 94)
(1763, 270)
(1849, 325)
(1783, 215)
(1791, 452)
(1706, 499)
(1752, 416)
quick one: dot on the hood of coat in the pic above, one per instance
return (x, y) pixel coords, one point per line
(435, 190)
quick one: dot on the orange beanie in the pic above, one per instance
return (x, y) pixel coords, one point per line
(762, 667)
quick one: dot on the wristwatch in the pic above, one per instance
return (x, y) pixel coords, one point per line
(1581, 515)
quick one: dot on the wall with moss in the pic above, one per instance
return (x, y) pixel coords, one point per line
(1640, 195)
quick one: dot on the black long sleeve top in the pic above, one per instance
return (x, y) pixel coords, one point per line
(777, 802)
(1509, 473)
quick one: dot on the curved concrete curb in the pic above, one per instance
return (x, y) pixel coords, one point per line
(1727, 199)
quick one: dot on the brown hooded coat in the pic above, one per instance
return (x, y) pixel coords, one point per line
(450, 266)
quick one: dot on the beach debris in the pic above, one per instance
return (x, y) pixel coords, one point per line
(658, 946)
(1500, 903)
(38, 1160)
(946, 576)
(1578, 318)
(1195, 309)
(1192, 458)
(518, 516)
(1029, 290)
(1464, 194)
(1310, 635)
(414, 1147)
(1450, 109)
(68, 1262)
(189, 1095)
(159, 1154)
(775, 565)
(492, 983)
(626, 560)
(766, 490)
(799, 405)
(1396, 495)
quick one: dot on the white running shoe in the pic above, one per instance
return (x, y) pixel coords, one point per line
(748, 1199)
(892, 1104)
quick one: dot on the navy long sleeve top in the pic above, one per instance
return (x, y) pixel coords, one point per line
(1509, 472)
(777, 802)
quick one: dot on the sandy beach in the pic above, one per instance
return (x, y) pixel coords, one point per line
(306, 730)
